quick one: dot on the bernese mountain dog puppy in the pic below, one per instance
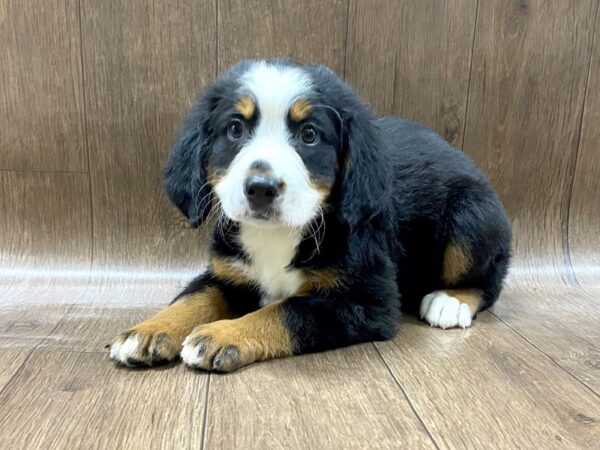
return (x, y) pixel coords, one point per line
(326, 222)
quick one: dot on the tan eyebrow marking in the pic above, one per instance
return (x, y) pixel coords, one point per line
(246, 107)
(300, 110)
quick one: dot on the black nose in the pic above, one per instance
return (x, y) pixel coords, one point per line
(261, 190)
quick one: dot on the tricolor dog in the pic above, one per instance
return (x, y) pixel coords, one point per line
(327, 223)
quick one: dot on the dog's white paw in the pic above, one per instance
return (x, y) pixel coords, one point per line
(222, 346)
(443, 311)
(138, 347)
(127, 351)
(202, 351)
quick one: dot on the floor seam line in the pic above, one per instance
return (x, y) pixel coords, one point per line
(566, 241)
(87, 148)
(17, 372)
(205, 418)
(27, 171)
(346, 40)
(556, 363)
(35, 348)
(462, 146)
(414, 410)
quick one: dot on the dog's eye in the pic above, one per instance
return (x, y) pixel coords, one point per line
(309, 135)
(235, 130)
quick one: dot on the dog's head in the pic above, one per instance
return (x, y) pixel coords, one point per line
(273, 143)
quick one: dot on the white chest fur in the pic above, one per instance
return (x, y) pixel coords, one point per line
(271, 250)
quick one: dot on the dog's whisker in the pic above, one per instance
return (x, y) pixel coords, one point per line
(321, 225)
(336, 112)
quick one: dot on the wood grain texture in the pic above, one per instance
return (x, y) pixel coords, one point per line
(30, 314)
(530, 66)
(311, 31)
(584, 215)
(107, 307)
(537, 404)
(346, 398)
(412, 59)
(484, 387)
(81, 400)
(41, 107)
(46, 223)
(562, 323)
(145, 62)
(13, 359)
(524, 60)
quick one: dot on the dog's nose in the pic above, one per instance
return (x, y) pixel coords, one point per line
(261, 190)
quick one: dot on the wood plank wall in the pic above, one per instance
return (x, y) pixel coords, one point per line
(91, 93)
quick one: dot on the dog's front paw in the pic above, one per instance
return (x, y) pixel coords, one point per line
(146, 344)
(220, 346)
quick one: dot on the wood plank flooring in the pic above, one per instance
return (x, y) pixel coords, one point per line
(525, 376)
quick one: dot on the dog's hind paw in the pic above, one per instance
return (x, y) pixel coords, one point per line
(441, 310)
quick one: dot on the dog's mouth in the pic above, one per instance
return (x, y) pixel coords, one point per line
(263, 216)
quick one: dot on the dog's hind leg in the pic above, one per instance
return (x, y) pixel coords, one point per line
(475, 262)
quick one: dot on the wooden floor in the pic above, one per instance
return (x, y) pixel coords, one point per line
(527, 375)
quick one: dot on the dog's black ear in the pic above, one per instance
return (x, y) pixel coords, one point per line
(185, 175)
(365, 186)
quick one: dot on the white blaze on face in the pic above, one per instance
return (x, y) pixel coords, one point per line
(274, 88)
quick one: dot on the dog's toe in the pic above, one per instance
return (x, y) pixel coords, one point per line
(218, 347)
(136, 348)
